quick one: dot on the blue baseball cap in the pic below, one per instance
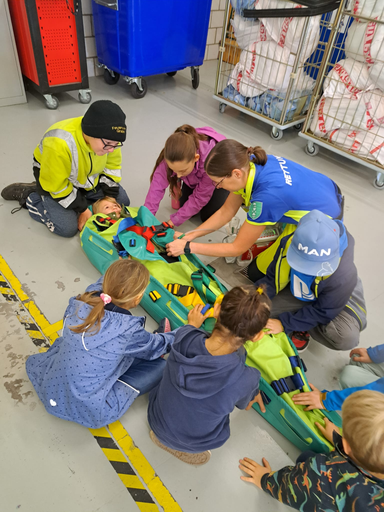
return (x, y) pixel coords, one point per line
(315, 246)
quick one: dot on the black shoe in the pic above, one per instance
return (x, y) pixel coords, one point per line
(300, 339)
(18, 192)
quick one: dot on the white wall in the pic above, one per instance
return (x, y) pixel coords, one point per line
(211, 52)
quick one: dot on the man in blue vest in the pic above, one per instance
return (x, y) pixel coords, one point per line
(325, 298)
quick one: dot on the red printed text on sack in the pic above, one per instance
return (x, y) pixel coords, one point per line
(321, 116)
(368, 38)
(346, 79)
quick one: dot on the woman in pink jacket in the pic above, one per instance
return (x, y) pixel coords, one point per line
(183, 159)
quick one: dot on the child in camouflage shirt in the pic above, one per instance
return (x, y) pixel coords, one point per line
(350, 478)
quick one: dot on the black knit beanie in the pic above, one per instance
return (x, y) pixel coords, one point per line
(105, 120)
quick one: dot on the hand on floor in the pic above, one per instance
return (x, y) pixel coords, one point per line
(254, 469)
(312, 399)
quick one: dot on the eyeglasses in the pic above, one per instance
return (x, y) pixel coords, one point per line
(221, 181)
(111, 146)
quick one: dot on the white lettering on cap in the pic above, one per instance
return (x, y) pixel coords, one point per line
(323, 252)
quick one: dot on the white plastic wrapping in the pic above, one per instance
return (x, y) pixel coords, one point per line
(331, 114)
(286, 32)
(347, 78)
(368, 8)
(376, 73)
(248, 31)
(365, 42)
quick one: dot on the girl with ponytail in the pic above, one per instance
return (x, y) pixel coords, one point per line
(270, 189)
(181, 163)
(104, 358)
(206, 378)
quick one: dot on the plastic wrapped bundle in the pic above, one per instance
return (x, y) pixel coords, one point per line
(365, 42)
(368, 8)
(347, 78)
(287, 32)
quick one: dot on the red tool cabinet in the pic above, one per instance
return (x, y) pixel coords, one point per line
(50, 42)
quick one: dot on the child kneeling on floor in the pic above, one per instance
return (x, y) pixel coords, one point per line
(105, 358)
(350, 478)
(206, 377)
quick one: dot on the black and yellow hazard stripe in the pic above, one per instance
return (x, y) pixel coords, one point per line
(116, 444)
(22, 314)
(124, 470)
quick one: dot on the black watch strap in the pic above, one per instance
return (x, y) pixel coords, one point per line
(187, 248)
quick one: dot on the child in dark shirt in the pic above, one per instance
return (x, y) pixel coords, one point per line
(351, 478)
(206, 377)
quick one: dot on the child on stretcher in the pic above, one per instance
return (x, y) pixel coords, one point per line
(109, 206)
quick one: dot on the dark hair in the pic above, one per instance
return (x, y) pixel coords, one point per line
(229, 154)
(124, 281)
(244, 312)
(180, 146)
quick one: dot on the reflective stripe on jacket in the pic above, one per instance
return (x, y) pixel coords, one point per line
(340, 291)
(66, 163)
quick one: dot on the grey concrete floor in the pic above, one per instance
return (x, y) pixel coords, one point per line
(52, 465)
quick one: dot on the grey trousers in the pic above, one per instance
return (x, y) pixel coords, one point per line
(342, 333)
(357, 374)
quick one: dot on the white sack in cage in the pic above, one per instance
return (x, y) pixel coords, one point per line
(287, 31)
(348, 78)
(368, 8)
(374, 103)
(365, 144)
(333, 113)
(248, 31)
(376, 72)
(264, 65)
(365, 42)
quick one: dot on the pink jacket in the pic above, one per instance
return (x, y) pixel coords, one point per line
(198, 180)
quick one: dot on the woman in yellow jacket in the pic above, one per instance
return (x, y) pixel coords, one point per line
(77, 162)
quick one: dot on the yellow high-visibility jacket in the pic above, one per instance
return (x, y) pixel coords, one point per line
(65, 164)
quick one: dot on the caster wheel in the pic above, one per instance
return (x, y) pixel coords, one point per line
(195, 77)
(136, 92)
(276, 134)
(85, 97)
(111, 77)
(298, 127)
(52, 103)
(311, 150)
(377, 184)
(222, 107)
(172, 73)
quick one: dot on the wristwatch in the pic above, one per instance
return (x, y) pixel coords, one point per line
(187, 249)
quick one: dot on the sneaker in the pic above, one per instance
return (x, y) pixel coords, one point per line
(195, 459)
(300, 339)
(18, 192)
(164, 326)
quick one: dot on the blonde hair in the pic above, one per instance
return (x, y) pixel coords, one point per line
(124, 281)
(97, 204)
(363, 428)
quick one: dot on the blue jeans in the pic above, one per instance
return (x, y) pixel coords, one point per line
(60, 220)
(144, 375)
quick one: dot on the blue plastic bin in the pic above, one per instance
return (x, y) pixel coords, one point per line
(138, 38)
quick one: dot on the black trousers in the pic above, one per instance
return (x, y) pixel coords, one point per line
(217, 200)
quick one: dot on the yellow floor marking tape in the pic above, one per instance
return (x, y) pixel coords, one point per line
(127, 460)
(143, 468)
